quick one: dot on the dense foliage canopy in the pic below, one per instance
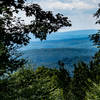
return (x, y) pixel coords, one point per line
(43, 83)
(14, 33)
(96, 37)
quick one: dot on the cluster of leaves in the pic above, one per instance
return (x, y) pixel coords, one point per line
(42, 84)
(14, 33)
(83, 72)
(94, 92)
(52, 84)
(94, 88)
(96, 37)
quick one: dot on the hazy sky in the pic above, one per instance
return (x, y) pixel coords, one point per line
(80, 12)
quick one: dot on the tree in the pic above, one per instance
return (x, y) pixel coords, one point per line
(94, 92)
(95, 63)
(65, 80)
(26, 84)
(14, 33)
(95, 68)
(80, 80)
(96, 37)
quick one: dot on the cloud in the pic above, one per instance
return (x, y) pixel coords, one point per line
(95, 1)
(59, 5)
(80, 12)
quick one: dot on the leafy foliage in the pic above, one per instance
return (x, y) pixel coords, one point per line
(42, 84)
(96, 37)
(79, 83)
(50, 84)
(95, 68)
(14, 33)
(94, 92)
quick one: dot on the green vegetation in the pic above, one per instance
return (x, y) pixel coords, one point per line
(43, 83)
(53, 84)
(14, 33)
(94, 92)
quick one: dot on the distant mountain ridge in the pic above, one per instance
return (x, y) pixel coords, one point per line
(50, 57)
(71, 34)
(70, 47)
(69, 38)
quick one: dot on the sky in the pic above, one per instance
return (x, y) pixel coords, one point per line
(80, 12)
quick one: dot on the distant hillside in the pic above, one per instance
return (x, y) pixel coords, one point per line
(70, 34)
(71, 39)
(70, 47)
(49, 57)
